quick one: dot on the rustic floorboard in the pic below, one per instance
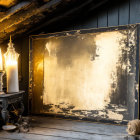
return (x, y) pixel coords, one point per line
(45, 128)
(75, 125)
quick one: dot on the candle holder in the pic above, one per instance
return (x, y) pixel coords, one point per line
(1, 81)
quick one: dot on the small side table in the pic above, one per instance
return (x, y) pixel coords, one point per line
(10, 98)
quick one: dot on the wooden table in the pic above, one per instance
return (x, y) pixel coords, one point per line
(10, 98)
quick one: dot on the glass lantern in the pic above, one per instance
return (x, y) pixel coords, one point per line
(11, 65)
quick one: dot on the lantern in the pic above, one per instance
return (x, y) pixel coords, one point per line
(11, 63)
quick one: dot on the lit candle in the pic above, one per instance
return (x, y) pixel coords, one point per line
(11, 61)
(1, 65)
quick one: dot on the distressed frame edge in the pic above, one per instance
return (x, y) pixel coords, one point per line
(84, 31)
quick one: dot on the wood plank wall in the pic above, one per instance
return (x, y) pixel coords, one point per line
(111, 14)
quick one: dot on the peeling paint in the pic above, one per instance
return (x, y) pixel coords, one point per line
(90, 75)
(113, 115)
(85, 85)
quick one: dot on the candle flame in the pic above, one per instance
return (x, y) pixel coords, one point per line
(11, 57)
(11, 62)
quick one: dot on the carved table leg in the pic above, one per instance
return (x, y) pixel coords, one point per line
(4, 111)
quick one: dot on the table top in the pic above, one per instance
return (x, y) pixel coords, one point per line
(6, 95)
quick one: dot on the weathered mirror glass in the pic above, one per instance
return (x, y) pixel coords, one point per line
(86, 74)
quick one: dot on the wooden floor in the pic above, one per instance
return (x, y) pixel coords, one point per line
(45, 128)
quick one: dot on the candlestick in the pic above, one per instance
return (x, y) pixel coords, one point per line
(1, 64)
(11, 59)
(1, 81)
(1, 73)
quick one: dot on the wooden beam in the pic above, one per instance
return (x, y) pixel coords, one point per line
(70, 12)
(21, 19)
(25, 15)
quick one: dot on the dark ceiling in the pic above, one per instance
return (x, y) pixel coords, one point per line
(26, 16)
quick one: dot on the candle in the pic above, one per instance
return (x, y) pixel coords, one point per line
(11, 61)
(1, 65)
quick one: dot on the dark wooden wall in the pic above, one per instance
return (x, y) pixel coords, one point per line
(110, 14)
(113, 13)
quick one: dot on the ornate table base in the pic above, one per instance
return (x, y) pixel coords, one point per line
(8, 99)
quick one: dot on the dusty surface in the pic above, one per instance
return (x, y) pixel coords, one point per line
(45, 128)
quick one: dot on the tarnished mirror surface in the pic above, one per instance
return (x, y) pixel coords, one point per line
(87, 75)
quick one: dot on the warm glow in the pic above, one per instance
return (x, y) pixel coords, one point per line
(11, 57)
(1, 65)
(7, 3)
(11, 62)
